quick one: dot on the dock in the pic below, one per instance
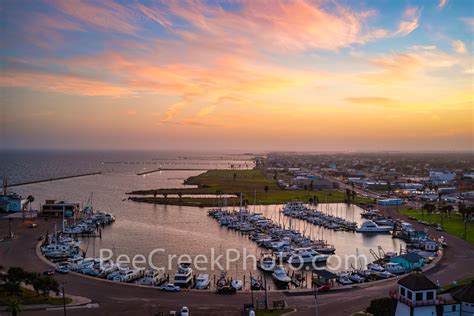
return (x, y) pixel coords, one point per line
(55, 179)
(170, 169)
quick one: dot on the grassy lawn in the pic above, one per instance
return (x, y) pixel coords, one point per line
(247, 182)
(447, 287)
(30, 297)
(269, 312)
(453, 224)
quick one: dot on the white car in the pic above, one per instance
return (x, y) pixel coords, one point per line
(184, 311)
(170, 287)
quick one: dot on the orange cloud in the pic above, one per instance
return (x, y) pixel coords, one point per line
(410, 22)
(61, 83)
(458, 46)
(372, 101)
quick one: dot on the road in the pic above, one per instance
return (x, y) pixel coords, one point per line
(123, 299)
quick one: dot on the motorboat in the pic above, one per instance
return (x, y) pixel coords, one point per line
(371, 227)
(255, 284)
(184, 275)
(384, 275)
(344, 280)
(306, 255)
(374, 267)
(202, 281)
(131, 275)
(280, 276)
(394, 268)
(356, 278)
(153, 277)
(237, 284)
(267, 264)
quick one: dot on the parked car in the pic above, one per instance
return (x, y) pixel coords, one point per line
(170, 287)
(226, 290)
(324, 288)
(184, 311)
(48, 272)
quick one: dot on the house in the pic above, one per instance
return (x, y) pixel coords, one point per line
(410, 261)
(57, 208)
(465, 296)
(416, 296)
(11, 202)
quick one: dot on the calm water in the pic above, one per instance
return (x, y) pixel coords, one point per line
(140, 228)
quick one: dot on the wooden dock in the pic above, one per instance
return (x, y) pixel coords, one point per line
(54, 179)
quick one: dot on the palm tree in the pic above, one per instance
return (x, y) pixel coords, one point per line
(235, 176)
(180, 195)
(165, 195)
(266, 188)
(14, 306)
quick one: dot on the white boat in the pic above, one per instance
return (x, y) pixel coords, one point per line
(266, 264)
(384, 275)
(306, 255)
(371, 227)
(280, 276)
(153, 277)
(344, 280)
(184, 275)
(237, 284)
(373, 267)
(131, 275)
(202, 281)
(394, 268)
(356, 278)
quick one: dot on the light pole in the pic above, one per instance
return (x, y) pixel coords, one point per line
(64, 298)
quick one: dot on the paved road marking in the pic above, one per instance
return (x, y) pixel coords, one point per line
(90, 305)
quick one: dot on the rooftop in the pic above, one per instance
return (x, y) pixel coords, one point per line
(417, 282)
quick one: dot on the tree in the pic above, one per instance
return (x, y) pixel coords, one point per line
(165, 195)
(235, 176)
(429, 207)
(45, 285)
(14, 305)
(180, 195)
(381, 307)
(353, 195)
(266, 188)
(311, 185)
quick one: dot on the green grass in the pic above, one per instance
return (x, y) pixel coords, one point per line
(247, 182)
(453, 224)
(29, 297)
(270, 312)
(465, 281)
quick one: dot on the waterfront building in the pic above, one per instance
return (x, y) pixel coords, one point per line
(53, 208)
(390, 202)
(465, 296)
(11, 202)
(410, 261)
(416, 296)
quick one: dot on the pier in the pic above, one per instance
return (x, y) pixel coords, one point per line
(54, 179)
(170, 169)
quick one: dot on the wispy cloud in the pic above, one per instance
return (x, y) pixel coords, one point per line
(409, 23)
(458, 46)
(442, 4)
(382, 101)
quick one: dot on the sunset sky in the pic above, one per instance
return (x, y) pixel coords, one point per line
(252, 75)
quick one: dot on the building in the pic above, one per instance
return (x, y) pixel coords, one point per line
(11, 202)
(390, 202)
(465, 296)
(410, 261)
(441, 177)
(416, 296)
(53, 208)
